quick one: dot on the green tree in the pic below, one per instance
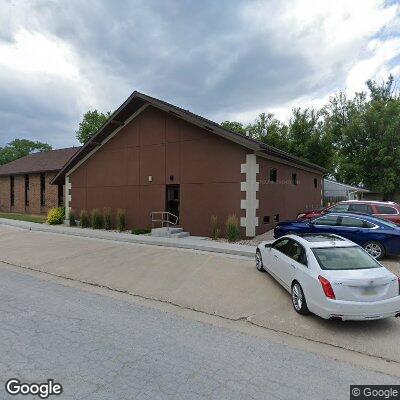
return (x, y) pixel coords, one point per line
(20, 148)
(90, 124)
(234, 126)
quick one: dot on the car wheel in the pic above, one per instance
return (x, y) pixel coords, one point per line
(299, 300)
(374, 249)
(259, 262)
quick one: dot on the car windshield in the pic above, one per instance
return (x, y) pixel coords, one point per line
(344, 258)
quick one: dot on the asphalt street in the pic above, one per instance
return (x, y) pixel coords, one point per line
(99, 347)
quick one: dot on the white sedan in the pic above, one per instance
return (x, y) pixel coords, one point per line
(331, 276)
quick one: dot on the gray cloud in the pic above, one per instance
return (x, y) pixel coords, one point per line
(204, 56)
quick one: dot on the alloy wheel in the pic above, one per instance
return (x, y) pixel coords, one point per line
(259, 263)
(373, 249)
(297, 297)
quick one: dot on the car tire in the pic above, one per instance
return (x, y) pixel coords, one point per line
(259, 262)
(374, 249)
(299, 300)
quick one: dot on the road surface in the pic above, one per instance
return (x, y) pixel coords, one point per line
(103, 347)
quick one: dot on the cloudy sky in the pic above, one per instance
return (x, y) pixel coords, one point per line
(223, 59)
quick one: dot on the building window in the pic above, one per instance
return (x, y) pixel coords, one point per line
(273, 175)
(60, 196)
(266, 219)
(294, 179)
(11, 191)
(42, 190)
(276, 218)
(27, 190)
(315, 183)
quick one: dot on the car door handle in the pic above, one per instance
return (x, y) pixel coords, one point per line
(275, 256)
(293, 266)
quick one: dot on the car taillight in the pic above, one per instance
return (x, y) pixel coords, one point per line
(327, 288)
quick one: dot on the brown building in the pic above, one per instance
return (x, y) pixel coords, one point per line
(25, 183)
(152, 156)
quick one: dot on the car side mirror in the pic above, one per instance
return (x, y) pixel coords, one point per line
(268, 245)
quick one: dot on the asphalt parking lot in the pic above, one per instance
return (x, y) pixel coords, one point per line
(226, 286)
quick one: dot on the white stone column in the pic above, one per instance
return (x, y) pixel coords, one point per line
(251, 187)
(67, 197)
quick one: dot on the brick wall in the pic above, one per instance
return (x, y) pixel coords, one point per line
(51, 194)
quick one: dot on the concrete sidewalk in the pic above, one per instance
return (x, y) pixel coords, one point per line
(216, 284)
(190, 242)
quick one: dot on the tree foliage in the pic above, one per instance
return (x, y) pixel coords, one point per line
(20, 148)
(90, 124)
(357, 139)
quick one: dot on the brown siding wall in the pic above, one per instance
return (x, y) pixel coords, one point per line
(34, 194)
(170, 151)
(283, 197)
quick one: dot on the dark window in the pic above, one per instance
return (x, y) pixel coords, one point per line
(352, 222)
(273, 175)
(326, 220)
(42, 190)
(60, 196)
(297, 253)
(369, 225)
(12, 190)
(26, 190)
(276, 218)
(294, 179)
(362, 208)
(281, 245)
(315, 182)
(386, 210)
(266, 219)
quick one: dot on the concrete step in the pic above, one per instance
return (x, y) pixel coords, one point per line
(168, 232)
(180, 235)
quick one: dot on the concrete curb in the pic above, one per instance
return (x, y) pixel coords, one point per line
(180, 243)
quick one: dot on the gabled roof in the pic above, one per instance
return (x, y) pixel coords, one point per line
(137, 100)
(44, 161)
(345, 185)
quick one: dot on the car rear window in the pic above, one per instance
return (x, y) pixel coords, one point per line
(344, 258)
(386, 210)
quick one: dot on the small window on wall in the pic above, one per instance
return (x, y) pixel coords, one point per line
(26, 190)
(273, 175)
(12, 191)
(42, 190)
(276, 218)
(294, 179)
(315, 183)
(266, 219)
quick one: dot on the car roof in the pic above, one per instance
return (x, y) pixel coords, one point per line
(383, 203)
(313, 240)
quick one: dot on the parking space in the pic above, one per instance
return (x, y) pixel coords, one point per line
(227, 286)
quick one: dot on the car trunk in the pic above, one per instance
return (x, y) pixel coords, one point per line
(365, 285)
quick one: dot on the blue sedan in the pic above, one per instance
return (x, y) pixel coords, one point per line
(377, 236)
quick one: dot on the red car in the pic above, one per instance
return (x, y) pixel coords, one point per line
(381, 209)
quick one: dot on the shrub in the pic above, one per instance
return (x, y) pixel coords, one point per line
(107, 218)
(232, 228)
(121, 220)
(140, 231)
(97, 219)
(85, 219)
(72, 218)
(56, 216)
(215, 230)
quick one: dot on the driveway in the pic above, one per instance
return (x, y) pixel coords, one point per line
(227, 286)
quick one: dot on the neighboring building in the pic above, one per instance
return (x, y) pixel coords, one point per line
(25, 183)
(153, 156)
(336, 191)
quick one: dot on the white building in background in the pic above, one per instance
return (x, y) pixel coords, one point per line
(336, 191)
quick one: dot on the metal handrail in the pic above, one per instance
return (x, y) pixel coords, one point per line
(165, 218)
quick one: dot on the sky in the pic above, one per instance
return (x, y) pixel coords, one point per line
(222, 59)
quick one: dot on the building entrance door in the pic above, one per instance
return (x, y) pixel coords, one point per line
(172, 199)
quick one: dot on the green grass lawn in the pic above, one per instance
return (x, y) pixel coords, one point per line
(40, 219)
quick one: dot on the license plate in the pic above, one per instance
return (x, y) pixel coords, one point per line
(369, 291)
